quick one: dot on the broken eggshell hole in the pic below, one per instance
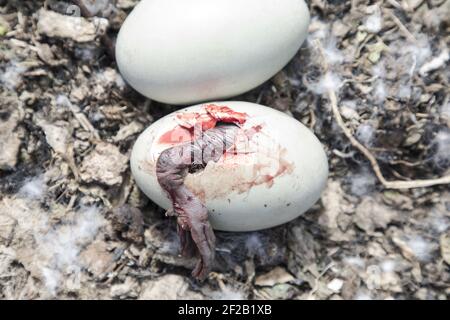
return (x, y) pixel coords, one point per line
(231, 166)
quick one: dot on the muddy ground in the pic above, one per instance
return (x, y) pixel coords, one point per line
(73, 224)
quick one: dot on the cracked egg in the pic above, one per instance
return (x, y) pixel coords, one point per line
(251, 166)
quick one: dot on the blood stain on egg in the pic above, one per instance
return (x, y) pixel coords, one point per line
(217, 180)
(243, 170)
(208, 119)
(178, 134)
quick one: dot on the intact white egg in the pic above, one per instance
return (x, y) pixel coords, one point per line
(186, 51)
(273, 172)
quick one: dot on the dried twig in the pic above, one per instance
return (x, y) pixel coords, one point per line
(401, 26)
(397, 184)
(316, 280)
(376, 167)
(395, 4)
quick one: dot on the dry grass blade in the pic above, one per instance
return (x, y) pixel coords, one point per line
(397, 184)
(401, 26)
(375, 166)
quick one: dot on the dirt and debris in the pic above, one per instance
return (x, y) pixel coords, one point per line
(55, 25)
(371, 81)
(105, 164)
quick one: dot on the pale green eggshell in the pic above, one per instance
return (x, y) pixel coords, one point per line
(186, 51)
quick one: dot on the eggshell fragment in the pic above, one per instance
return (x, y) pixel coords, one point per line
(186, 51)
(275, 171)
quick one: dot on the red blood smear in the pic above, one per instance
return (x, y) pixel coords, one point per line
(177, 135)
(190, 120)
(249, 133)
(207, 120)
(225, 114)
(268, 179)
(257, 128)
